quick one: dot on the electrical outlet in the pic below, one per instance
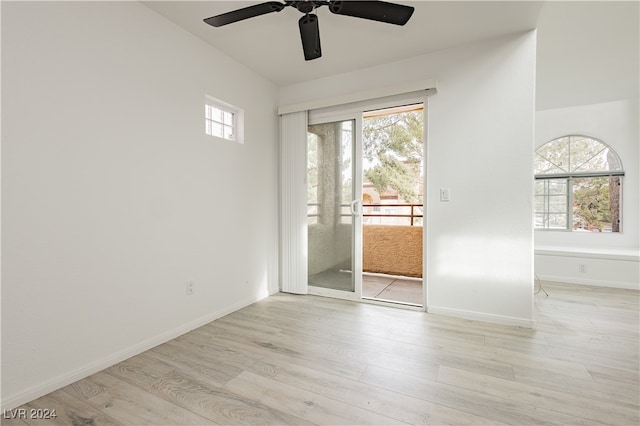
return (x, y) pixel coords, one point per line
(189, 288)
(582, 268)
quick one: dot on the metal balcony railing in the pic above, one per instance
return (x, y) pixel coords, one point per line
(412, 211)
(412, 208)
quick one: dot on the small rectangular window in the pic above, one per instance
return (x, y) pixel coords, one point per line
(223, 120)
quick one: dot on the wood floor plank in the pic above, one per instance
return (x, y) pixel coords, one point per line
(199, 362)
(567, 403)
(587, 388)
(623, 378)
(377, 351)
(69, 411)
(341, 357)
(304, 404)
(206, 400)
(476, 403)
(293, 359)
(129, 404)
(11, 418)
(221, 350)
(379, 400)
(582, 356)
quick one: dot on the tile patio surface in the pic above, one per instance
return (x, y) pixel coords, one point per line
(394, 289)
(374, 286)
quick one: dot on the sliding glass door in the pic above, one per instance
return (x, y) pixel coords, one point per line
(364, 179)
(333, 208)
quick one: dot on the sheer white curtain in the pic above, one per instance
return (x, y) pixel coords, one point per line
(293, 203)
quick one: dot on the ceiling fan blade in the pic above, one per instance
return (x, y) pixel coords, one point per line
(310, 35)
(382, 11)
(245, 13)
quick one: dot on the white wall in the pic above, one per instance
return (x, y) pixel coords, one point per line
(479, 254)
(113, 197)
(618, 125)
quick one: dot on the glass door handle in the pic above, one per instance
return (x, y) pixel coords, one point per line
(356, 208)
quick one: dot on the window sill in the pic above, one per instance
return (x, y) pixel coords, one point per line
(631, 255)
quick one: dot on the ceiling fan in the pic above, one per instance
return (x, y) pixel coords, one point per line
(381, 11)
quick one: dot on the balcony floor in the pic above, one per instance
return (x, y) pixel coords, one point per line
(393, 289)
(389, 288)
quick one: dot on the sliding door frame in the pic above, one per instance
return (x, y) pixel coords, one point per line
(355, 111)
(356, 237)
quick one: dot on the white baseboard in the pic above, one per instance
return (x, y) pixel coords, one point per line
(604, 268)
(586, 281)
(12, 401)
(481, 316)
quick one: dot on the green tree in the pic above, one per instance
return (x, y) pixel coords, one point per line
(591, 203)
(393, 146)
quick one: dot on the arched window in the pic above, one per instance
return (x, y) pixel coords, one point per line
(577, 185)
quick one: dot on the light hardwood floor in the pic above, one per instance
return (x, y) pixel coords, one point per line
(310, 360)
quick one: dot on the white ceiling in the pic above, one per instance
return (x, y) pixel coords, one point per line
(270, 44)
(588, 51)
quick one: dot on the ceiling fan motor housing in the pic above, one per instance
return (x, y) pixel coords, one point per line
(306, 6)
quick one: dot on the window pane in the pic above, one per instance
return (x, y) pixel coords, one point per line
(312, 178)
(558, 186)
(575, 154)
(557, 221)
(207, 112)
(592, 207)
(217, 130)
(345, 159)
(586, 154)
(217, 114)
(615, 195)
(228, 132)
(550, 203)
(543, 166)
(553, 157)
(557, 204)
(604, 160)
(228, 118)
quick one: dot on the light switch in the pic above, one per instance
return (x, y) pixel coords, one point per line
(444, 194)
